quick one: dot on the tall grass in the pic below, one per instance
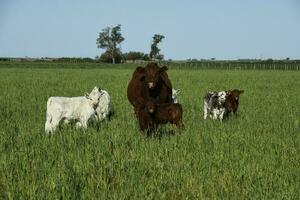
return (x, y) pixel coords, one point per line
(254, 155)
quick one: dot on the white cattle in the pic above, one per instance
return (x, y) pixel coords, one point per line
(103, 109)
(175, 94)
(71, 108)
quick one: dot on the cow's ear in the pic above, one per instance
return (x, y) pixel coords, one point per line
(241, 91)
(140, 69)
(163, 69)
(141, 73)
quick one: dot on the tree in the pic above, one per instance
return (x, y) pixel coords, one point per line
(106, 57)
(154, 53)
(133, 55)
(110, 38)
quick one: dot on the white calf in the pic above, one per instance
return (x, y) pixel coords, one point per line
(68, 108)
(175, 94)
(103, 109)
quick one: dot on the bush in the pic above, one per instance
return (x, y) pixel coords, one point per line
(134, 55)
(106, 57)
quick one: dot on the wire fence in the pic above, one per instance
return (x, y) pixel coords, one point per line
(204, 65)
(233, 65)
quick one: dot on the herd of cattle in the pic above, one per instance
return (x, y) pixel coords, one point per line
(152, 96)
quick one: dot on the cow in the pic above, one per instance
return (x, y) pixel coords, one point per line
(149, 82)
(232, 101)
(153, 114)
(221, 104)
(80, 108)
(103, 110)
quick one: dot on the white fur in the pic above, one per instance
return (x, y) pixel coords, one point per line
(205, 109)
(68, 108)
(175, 94)
(103, 108)
(221, 97)
(214, 113)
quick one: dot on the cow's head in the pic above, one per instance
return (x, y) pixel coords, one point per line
(154, 74)
(139, 73)
(236, 94)
(150, 106)
(232, 100)
(95, 95)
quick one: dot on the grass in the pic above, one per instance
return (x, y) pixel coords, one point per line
(254, 155)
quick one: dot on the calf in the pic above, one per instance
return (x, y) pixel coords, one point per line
(220, 104)
(231, 103)
(68, 108)
(165, 113)
(146, 121)
(103, 109)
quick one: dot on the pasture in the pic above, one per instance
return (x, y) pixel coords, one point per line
(254, 155)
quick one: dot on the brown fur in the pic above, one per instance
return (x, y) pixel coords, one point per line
(145, 120)
(138, 91)
(165, 113)
(232, 101)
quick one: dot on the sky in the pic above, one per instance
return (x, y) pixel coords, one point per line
(199, 29)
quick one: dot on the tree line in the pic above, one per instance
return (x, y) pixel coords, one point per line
(110, 39)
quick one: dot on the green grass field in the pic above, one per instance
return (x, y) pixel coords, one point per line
(255, 155)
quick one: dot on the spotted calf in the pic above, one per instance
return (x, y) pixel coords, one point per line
(218, 105)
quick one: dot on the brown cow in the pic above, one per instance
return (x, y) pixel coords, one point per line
(164, 113)
(149, 82)
(232, 101)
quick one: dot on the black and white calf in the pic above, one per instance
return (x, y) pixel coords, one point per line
(220, 104)
(214, 105)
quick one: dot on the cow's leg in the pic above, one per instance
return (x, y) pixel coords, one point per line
(215, 113)
(53, 125)
(143, 125)
(136, 111)
(179, 124)
(101, 117)
(205, 110)
(83, 122)
(222, 112)
(48, 123)
(48, 127)
(78, 125)
(96, 115)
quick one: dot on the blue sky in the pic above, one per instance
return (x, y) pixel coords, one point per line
(222, 29)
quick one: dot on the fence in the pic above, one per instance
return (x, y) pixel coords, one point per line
(233, 65)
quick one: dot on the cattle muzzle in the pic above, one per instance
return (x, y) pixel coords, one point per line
(151, 84)
(151, 110)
